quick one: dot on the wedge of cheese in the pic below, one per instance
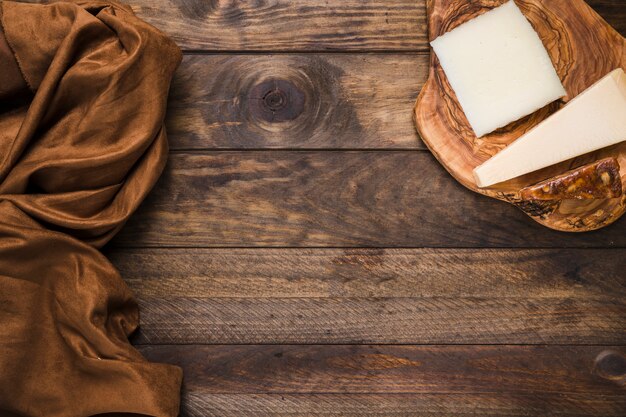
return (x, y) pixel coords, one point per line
(595, 119)
(498, 68)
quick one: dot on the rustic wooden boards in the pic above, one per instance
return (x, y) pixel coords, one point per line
(262, 331)
(361, 273)
(276, 369)
(330, 198)
(570, 29)
(350, 101)
(390, 369)
(408, 296)
(287, 25)
(200, 404)
(396, 380)
(280, 25)
(444, 320)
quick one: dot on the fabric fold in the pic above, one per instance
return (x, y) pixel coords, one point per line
(13, 81)
(83, 93)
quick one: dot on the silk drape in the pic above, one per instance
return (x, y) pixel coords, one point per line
(83, 91)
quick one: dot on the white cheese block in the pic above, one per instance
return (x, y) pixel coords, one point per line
(498, 68)
(594, 119)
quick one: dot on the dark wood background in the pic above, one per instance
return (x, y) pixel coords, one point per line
(304, 254)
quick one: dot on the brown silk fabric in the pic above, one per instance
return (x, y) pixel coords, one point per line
(83, 89)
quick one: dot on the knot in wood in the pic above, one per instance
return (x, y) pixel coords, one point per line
(611, 365)
(276, 101)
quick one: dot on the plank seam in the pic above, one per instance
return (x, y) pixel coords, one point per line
(126, 246)
(582, 345)
(306, 52)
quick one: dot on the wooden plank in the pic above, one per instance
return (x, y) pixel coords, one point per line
(347, 101)
(303, 25)
(288, 25)
(396, 381)
(427, 320)
(337, 199)
(613, 11)
(202, 404)
(439, 405)
(354, 273)
(290, 369)
(377, 296)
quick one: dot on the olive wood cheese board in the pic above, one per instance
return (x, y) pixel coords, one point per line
(583, 48)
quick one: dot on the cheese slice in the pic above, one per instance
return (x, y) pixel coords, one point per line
(498, 68)
(594, 119)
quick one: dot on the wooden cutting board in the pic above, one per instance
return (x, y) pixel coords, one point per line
(583, 48)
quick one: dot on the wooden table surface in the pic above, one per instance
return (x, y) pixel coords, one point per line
(304, 254)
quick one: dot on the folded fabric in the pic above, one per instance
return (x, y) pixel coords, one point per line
(83, 91)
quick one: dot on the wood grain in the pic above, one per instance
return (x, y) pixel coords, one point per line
(282, 25)
(357, 273)
(424, 320)
(257, 295)
(286, 369)
(338, 199)
(377, 296)
(350, 101)
(288, 25)
(613, 11)
(393, 381)
(570, 30)
(201, 404)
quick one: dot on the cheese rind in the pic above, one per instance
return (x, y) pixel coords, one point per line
(600, 179)
(593, 120)
(498, 68)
